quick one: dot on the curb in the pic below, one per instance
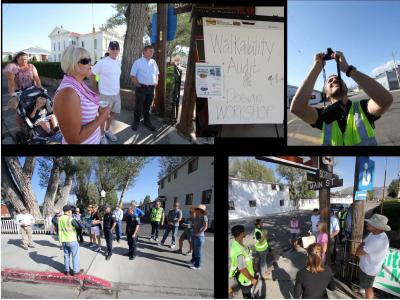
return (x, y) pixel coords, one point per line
(83, 280)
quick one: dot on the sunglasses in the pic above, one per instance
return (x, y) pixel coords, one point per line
(85, 61)
(114, 48)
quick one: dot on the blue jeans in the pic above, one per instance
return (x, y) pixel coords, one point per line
(198, 242)
(118, 230)
(174, 233)
(71, 248)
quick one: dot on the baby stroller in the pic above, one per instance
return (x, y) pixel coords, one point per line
(33, 133)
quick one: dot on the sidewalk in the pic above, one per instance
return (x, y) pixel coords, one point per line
(157, 272)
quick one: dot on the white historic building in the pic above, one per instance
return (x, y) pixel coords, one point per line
(96, 43)
(310, 204)
(251, 198)
(316, 96)
(191, 184)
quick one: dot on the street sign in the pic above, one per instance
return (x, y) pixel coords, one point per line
(309, 163)
(312, 177)
(328, 183)
(361, 195)
(366, 174)
(322, 174)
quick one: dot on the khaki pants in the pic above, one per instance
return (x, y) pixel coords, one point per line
(26, 233)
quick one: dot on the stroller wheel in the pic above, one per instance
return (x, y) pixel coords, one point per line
(21, 138)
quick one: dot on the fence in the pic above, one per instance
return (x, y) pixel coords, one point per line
(10, 227)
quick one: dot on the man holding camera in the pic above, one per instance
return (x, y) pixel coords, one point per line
(344, 122)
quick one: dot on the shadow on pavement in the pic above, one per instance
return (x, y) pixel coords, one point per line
(165, 259)
(46, 260)
(285, 283)
(47, 244)
(154, 247)
(17, 243)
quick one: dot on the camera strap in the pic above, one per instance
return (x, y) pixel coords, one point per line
(340, 82)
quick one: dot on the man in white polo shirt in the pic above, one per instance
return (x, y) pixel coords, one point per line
(372, 252)
(144, 74)
(109, 71)
(25, 221)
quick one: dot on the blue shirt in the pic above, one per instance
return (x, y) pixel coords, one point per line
(145, 70)
(334, 225)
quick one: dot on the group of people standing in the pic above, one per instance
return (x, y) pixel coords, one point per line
(85, 114)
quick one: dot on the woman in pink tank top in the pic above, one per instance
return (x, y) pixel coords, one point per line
(75, 105)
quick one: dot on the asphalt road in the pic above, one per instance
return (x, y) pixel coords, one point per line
(387, 127)
(157, 272)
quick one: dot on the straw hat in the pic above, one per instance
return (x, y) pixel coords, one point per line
(56, 211)
(379, 222)
(201, 207)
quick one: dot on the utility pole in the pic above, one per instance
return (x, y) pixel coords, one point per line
(395, 68)
(94, 38)
(384, 188)
(161, 90)
(325, 200)
(357, 222)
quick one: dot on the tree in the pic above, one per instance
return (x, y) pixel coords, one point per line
(393, 188)
(81, 181)
(371, 195)
(168, 163)
(135, 16)
(297, 181)
(146, 199)
(17, 186)
(250, 169)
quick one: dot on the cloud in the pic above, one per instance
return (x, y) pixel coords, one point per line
(385, 67)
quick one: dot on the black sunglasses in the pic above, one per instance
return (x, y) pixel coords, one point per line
(114, 48)
(85, 61)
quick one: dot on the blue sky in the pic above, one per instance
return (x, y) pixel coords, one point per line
(146, 184)
(365, 31)
(345, 169)
(28, 25)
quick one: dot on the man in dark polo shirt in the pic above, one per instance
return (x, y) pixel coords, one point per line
(132, 228)
(108, 225)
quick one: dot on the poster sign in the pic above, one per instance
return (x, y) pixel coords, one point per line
(366, 174)
(251, 53)
(388, 279)
(208, 80)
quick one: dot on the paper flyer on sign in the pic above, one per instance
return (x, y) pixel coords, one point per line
(208, 80)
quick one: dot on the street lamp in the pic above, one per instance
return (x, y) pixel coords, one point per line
(102, 196)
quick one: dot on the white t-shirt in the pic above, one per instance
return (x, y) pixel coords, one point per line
(314, 222)
(377, 247)
(24, 219)
(109, 71)
(334, 225)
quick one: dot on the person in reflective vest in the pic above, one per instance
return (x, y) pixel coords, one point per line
(156, 219)
(342, 223)
(241, 262)
(261, 246)
(344, 122)
(67, 227)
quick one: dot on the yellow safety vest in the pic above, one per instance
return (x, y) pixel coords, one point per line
(262, 244)
(156, 214)
(237, 250)
(66, 231)
(359, 131)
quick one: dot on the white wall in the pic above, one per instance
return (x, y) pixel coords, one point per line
(267, 200)
(310, 204)
(270, 11)
(196, 182)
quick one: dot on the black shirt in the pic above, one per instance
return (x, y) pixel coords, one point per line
(313, 285)
(342, 117)
(108, 221)
(131, 222)
(96, 216)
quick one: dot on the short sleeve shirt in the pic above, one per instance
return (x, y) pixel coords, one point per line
(342, 118)
(22, 78)
(334, 225)
(377, 247)
(198, 225)
(145, 70)
(174, 214)
(109, 71)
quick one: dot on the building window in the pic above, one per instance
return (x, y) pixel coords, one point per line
(281, 187)
(95, 43)
(193, 165)
(273, 187)
(231, 205)
(252, 203)
(64, 44)
(83, 44)
(206, 197)
(54, 46)
(175, 174)
(175, 199)
(169, 178)
(162, 184)
(282, 202)
(189, 199)
(59, 46)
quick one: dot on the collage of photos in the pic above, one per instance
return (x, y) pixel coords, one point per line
(122, 122)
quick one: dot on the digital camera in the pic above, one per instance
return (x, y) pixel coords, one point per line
(327, 55)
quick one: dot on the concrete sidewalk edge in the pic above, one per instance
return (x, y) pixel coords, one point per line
(83, 280)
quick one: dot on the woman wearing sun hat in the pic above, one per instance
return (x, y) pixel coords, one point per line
(200, 225)
(372, 252)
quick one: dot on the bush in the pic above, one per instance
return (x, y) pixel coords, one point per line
(170, 80)
(49, 69)
(391, 209)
